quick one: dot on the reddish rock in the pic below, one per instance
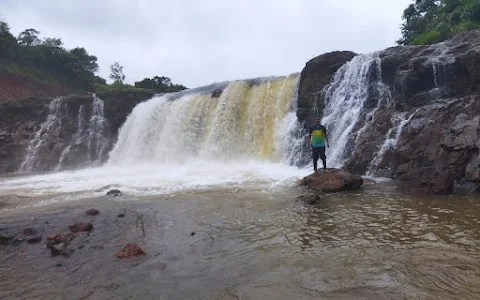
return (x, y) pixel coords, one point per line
(34, 240)
(78, 227)
(129, 251)
(29, 231)
(333, 180)
(57, 238)
(92, 212)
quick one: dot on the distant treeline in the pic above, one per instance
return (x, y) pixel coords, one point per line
(46, 60)
(433, 21)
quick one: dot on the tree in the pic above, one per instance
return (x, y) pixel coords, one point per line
(432, 21)
(82, 61)
(52, 42)
(8, 43)
(4, 28)
(29, 37)
(160, 84)
(117, 73)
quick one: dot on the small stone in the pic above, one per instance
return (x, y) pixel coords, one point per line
(57, 238)
(56, 249)
(129, 251)
(78, 227)
(97, 247)
(114, 193)
(121, 215)
(58, 264)
(34, 240)
(92, 212)
(29, 231)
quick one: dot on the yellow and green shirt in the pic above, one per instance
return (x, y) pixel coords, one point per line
(318, 133)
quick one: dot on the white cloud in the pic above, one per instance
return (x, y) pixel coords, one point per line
(199, 42)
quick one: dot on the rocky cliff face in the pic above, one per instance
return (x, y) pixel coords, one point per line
(45, 134)
(424, 129)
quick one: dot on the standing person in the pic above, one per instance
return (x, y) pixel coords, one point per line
(318, 140)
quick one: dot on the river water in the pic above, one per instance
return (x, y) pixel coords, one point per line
(252, 242)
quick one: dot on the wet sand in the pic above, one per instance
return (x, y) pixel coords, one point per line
(250, 244)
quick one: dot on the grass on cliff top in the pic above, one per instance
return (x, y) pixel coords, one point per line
(41, 76)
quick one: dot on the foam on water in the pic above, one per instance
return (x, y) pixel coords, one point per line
(151, 179)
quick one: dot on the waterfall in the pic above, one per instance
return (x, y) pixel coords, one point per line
(76, 139)
(389, 145)
(51, 127)
(96, 139)
(86, 138)
(91, 132)
(250, 120)
(345, 99)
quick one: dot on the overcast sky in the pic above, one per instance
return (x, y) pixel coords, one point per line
(197, 42)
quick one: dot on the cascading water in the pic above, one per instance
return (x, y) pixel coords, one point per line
(251, 120)
(86, 146)
(76, 139)
(51, 127)
(393, 135)
(345, 99)
(96, 139)
(243, 133)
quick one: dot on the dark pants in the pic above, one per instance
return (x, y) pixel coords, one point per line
(316, 152)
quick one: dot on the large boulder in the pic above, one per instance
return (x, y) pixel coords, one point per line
(333, 180)
(315, 76)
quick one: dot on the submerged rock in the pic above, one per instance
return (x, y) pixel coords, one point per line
(129, 251)
(78, 227)
(114, 193)
(333, 180)
(5, 239)
(34, 239)
(56, 249)
(29, 231)
(310, 199)
(92, 212)
(368, 181)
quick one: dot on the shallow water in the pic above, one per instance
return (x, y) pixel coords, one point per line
(253, 244)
